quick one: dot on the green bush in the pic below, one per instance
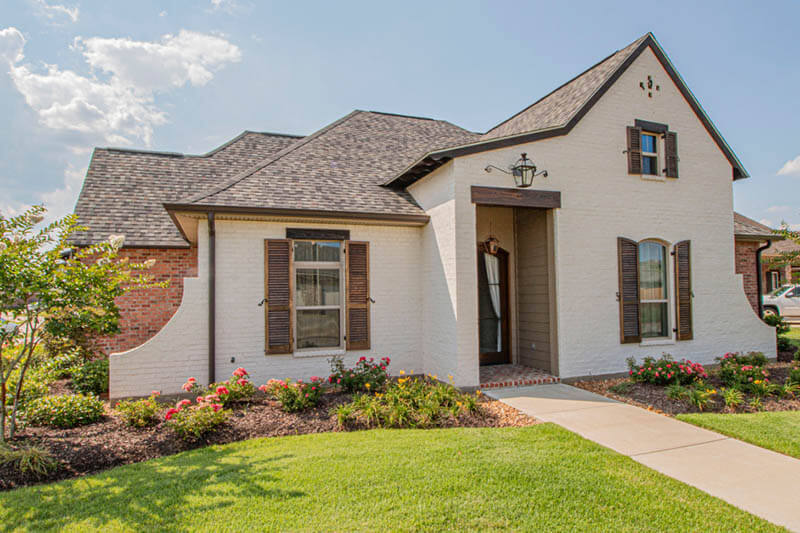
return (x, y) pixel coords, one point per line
(733, 398)
(365, 376)
(677, 392)
(28, 460)
(623, 387)
(408, 402)
(66, 411)
(794, 375)
(139, 413)
(745, 372)
(61, 366)
(296, 396)
(784, 344)
(195, 422)
(91, 377)
(700, 397)
(238, 388)
(777, 322)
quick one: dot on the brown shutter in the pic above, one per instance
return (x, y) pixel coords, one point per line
(683, 291)
(278, 292)
(671, 152)
(628, 296)
(358, 298)
(634, 150)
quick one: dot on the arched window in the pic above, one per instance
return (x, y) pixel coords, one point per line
(653, 289)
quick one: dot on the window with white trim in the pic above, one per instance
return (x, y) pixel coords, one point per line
(318, 294)
(653, 290)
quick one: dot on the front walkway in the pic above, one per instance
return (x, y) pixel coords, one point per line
(496, 376)
(757, 480)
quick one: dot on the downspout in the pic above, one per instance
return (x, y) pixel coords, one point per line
(212, 304)
(759, 284)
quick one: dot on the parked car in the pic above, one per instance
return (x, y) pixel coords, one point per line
(784, 301)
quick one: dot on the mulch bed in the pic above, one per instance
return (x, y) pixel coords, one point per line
(654, 397)
(109, 443)
(787, 355)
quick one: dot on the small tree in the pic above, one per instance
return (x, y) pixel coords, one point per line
(787, 257)
(43, 289)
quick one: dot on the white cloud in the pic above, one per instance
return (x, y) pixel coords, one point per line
(56, 11)
(778, 208)
(121, 107)
(162, 14)
(766, 222)
(61, 202)
(11, 45)
(791, 167)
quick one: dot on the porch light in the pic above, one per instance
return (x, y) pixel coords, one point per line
(524, 170)
(492, 245)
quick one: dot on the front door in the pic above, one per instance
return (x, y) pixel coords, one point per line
(493, 323)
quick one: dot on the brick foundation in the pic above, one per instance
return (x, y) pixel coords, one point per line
(144, 312)
(746, 265)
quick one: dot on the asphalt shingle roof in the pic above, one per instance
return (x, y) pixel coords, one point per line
(124, 190)
(341, 167)
(744, 227)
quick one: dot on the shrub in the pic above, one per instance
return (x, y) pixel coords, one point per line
(776, 321)
(91, 377)
(744, 372)
(295, 396)
(139, 413)
(677, 392)
(193, 422)
(66, 411)
(238, 388)
(733, 398)
(787, 389)
(60, 366)
(28, 460)
(794, 375)
(408, 402)
(700, 397)
(623, 387)
(665, 371)
(365, 376)
(755, 404)
(796, 356)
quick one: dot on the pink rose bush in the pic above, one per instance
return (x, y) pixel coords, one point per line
(745, 372)
(140, 413)
(296, 396)
(666, 371)
(238, 388)
(193, 421)
(367, 374)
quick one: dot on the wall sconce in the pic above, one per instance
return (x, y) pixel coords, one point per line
(524, 170)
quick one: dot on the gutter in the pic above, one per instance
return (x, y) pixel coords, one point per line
(759, 287)
(212, 303)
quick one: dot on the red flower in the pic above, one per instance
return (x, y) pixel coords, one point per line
(170, 413)
(183, 403)
(191, 380)
(216, 407)
(212, 398)
(222, 391)
(188, 386)
(361, 359)
(155, 393)
(263, 388)
(242, 382)
(240, 372)
(200, 399)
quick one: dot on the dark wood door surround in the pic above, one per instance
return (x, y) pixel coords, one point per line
(503, 356)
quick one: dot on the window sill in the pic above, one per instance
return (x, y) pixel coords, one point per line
(653, 177)
(658, 342)
(320, 353)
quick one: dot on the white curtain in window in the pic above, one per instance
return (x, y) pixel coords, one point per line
(493, 278)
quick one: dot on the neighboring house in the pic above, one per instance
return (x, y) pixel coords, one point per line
(754, 241)
(391, 235)
(776, 269)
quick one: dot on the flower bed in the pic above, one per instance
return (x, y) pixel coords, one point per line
(722, 396)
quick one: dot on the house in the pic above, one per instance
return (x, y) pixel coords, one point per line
(389, 235)
(756, 244)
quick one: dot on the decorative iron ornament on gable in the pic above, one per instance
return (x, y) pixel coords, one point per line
(649, 86)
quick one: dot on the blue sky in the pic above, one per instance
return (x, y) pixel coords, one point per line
(186, 75)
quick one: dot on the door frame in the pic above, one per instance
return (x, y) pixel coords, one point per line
(504, 357)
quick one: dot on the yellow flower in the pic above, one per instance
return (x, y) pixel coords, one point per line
(402, 372)
(450, 377)
(435, 376)
(367, 385)
(478, 393)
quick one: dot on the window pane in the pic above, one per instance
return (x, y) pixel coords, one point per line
(315, 286)
(654, 320)
(652, 271)
(317, 251)
(318, 328)
(649, 165)
(649, 143)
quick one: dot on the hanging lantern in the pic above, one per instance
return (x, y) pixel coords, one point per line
(491, 245)
(523, 171)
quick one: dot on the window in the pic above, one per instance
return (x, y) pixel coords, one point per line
(318, 294)
(650, 154)
(653, 290)
(774, 280)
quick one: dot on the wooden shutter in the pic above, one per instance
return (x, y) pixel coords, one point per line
(671, 154)
(683, 291)
(278, 292)
(358, 298)
(628, 253)
(634, 150)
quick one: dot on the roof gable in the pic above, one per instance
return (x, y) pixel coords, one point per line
(558, 112)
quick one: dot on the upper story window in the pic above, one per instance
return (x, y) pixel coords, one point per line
(653, 289)
(318, 271)
(650, 154)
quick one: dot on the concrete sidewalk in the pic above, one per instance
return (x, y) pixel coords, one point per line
(757, 480)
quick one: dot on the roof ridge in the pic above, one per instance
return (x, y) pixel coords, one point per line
(268, 161)
(642, 38)
(403, 116)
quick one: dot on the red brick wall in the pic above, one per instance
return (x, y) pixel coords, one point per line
(144, 312)
(746, 265)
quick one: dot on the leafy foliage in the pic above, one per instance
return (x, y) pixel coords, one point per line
(28, 460)
(778, 322)
(665, 371)
(745, 372)
(139, 413)
(365, 376)
(195, 422)
(296, 396)
(91, 377)
(67, 411)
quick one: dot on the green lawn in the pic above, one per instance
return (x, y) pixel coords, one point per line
(535, 478)
(779, 431)
(794, 335)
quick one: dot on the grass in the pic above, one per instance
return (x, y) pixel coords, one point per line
(534, 478)
(794, 336)
(778, 431)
